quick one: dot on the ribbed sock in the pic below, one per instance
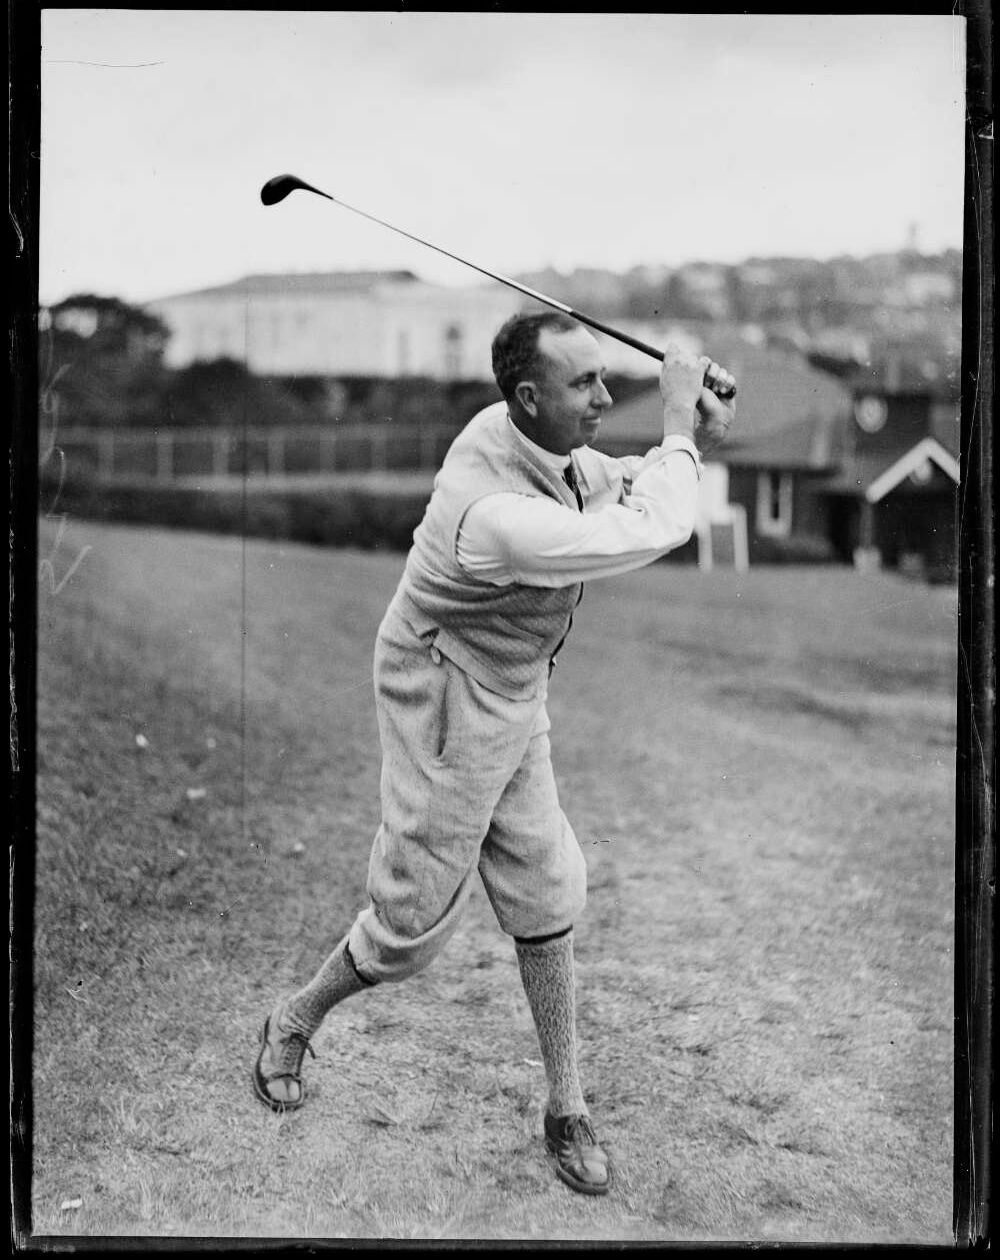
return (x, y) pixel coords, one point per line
(337, 979)
(547, 975)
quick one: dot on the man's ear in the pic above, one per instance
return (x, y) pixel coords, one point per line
(527, 395)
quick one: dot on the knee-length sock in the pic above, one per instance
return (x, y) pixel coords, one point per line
(547, 975)
(336, 979)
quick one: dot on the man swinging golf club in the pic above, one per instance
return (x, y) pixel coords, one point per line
(522, 513)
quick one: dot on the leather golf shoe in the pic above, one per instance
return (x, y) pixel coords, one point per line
(277, 1074)
(580, 1162)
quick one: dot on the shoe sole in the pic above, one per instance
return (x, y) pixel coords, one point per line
(260, 1086)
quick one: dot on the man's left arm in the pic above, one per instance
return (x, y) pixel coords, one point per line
(538, 541)
(508, 537)
(610, 477)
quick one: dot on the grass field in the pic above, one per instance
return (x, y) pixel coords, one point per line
(760, 770)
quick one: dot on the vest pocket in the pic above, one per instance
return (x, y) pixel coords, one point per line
(518, 630)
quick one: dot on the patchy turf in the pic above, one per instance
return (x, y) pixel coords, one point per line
(760, 771)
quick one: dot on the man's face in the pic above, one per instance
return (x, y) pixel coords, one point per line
(569, 394)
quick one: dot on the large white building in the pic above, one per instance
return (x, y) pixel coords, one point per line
(366, 323)
(339, 324)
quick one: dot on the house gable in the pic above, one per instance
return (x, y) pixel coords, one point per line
(914, 459)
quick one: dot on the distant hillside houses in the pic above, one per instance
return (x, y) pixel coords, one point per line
(393, 324)
(361, 323)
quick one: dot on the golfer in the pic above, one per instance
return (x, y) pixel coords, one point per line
(522, 512)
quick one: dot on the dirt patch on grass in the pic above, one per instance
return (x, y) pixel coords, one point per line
(764, 966)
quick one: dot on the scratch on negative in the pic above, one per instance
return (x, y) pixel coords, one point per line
(20, 234)
(344, 691)
(104, 65)
(974, 725)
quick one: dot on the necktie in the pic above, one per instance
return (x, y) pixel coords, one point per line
(569, 476)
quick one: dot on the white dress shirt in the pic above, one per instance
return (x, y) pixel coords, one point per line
(536, 541)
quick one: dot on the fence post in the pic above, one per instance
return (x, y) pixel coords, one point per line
(275, 452)
(741, 546)
(220, 454)
(164, 456)
(106, 453)
(379, 443)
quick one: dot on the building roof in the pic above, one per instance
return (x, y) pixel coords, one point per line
(788, 414)
(875, 474)
(312, 283)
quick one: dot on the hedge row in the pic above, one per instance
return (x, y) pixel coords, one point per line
(376, 511)
(351, 514)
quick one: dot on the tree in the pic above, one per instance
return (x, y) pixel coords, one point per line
(223, 392)
(102, 362)
(102, 367)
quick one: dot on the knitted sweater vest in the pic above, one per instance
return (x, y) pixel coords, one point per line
(503, 636)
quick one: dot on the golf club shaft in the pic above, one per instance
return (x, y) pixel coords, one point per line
(494, 275)
(628, 340)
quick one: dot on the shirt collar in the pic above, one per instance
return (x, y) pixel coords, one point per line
(558, 463)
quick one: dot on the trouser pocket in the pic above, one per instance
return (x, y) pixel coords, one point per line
(444, 717)
(444, 714)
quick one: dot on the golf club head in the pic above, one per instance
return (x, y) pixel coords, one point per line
(278, 188)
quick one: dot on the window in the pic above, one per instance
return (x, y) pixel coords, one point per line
(774, 503)
(78, 319)
(403, 351)
(923, 472)
(871, 413)
(452, 352)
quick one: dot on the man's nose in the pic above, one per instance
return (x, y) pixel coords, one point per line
(602, 397)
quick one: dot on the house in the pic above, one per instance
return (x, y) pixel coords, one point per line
(892, 500)
(339, 324)
(813, 470)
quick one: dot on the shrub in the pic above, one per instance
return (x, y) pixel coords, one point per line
(341, 513)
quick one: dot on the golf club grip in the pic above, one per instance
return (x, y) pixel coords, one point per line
(634, 342)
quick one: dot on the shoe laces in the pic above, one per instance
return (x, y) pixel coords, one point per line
(581, 1125)
(290, 1049)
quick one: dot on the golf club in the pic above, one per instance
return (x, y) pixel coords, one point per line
(278, 188)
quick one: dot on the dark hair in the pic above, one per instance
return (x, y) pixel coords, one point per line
(515, 347)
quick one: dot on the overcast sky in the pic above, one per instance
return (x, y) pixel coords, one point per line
(517, 140)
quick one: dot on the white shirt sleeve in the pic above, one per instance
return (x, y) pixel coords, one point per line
(535, 541)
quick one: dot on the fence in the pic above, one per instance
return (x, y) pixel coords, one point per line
(166, 455)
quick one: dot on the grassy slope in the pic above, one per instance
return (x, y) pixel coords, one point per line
(760, 771)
